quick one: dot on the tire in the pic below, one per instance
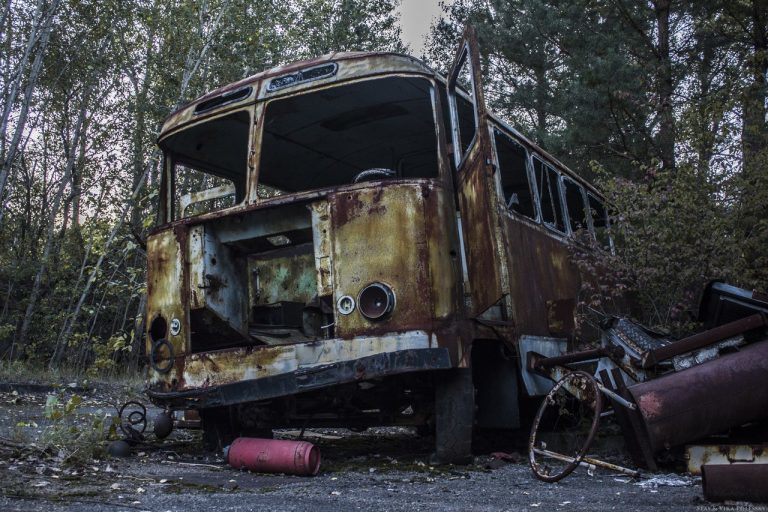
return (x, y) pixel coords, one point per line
(454, 417)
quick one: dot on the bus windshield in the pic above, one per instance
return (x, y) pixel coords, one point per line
(368, 130)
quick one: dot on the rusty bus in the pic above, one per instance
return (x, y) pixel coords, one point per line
(345, 241)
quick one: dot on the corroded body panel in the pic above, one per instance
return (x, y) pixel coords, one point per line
(379, 236)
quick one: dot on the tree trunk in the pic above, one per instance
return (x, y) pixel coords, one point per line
(754, 137)
(665, 86)
(9, 154)
(66, 178)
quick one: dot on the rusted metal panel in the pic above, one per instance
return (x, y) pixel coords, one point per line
(216, 279)
(166, 288)
(379, 236)
(544, 282)
(702, 339)
(735, 482)
(228, 366)
(700, 455)
(706, 399)
(322, 238)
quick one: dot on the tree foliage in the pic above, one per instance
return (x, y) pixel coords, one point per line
(663, 102)
(84, 87)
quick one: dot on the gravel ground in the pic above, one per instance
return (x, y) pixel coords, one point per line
(380, 469)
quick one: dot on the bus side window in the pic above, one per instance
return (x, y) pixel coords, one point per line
(466, 113)
(549, 193)
(574, 201)
(513, 171)
(599, 221)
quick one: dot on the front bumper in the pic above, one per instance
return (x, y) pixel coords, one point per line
(313, 366)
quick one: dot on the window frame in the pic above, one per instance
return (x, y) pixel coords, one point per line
(585, 202)
(559, 193)
(261, 112)
(494, 129)
(452, 89)
(170, 160)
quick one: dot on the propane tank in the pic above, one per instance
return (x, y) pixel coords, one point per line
(273, 456)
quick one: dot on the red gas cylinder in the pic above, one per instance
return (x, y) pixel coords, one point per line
(273, 456)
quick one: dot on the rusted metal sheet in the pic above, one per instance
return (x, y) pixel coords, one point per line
(700, 455)
(483, 238)
(379, 236)
(541, 273)
(702, 339)
(166, 285)
(322, 239)
(735, 482)
(706, 399)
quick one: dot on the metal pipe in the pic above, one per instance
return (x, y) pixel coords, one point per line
(588, 462)
(709, 398)
(575, 357)
(703, 339)
(737, 482)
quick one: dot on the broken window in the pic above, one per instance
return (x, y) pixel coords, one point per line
(368, 130)
(549, 194)
(577, 208)
(513, 171)
(599, 221)
(210, 163)
(465, 122)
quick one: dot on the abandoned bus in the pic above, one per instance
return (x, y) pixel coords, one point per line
(355, 241)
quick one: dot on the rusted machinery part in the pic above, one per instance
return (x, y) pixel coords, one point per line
(707, 399)
(703, 339)
(735, 482)
(133, 418)
(156, 361)
(593, 398)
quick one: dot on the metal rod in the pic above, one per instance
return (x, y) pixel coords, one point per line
(574, 357)
(703, 339)
(588, 462)
(617, 398)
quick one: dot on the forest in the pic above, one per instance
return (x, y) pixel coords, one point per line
(661, 103)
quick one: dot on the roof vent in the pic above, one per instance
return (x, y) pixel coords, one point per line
(218, 101)
(305, 75)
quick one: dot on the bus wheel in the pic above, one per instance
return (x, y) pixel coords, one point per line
(454, 417)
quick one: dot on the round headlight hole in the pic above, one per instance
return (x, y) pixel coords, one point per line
(376, 301)
(158, 329)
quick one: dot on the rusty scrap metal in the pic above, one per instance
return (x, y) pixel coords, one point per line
(593, 400)
(736, 482)
(706, 399)
(133, 419)
(700, 455)
(589, 463)
(702, 339)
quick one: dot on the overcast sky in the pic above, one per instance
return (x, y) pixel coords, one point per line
(415, 18)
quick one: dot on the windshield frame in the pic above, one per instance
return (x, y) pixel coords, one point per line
(256, 109)
(443, 170)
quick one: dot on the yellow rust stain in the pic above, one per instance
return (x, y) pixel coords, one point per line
(164, 288)
(379, 235)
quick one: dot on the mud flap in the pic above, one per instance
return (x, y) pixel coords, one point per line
(454, 416)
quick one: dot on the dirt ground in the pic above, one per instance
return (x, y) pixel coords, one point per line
(379, 469)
